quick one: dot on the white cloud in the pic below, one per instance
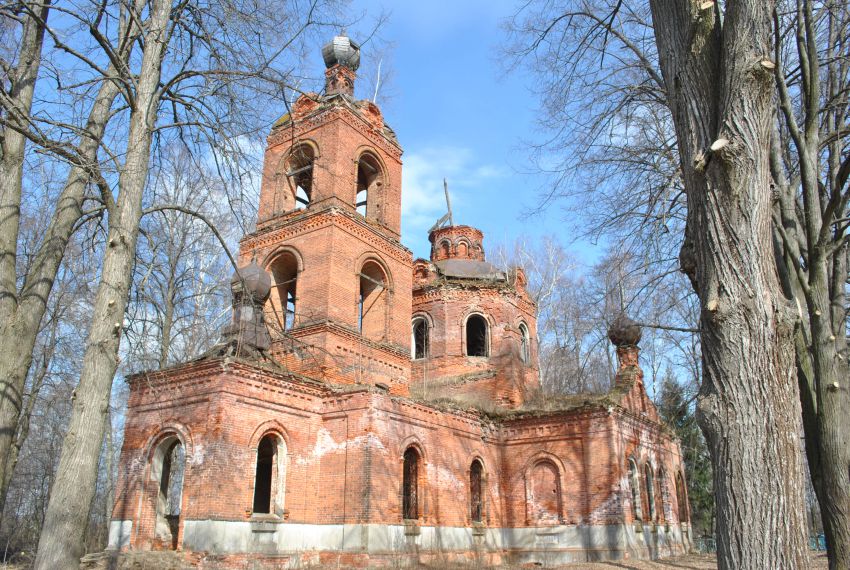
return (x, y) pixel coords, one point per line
(422, 198)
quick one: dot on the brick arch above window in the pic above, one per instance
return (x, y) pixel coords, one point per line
(170, 429)
(375, 257)
(266, 428)
(270, 257)
(412, 441)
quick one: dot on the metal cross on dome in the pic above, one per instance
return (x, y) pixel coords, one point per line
(447, 217)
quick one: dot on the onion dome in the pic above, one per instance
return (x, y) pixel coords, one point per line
(341, 51)
(257, 281)
(624, 331)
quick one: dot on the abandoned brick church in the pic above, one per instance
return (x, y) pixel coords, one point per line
(366, 408)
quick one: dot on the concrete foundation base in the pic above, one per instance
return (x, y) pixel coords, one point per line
(292, 545)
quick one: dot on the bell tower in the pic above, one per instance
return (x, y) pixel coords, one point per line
(328, 233)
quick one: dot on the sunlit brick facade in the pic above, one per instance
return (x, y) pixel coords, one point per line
(386, 415)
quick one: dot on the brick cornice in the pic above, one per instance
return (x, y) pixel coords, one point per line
(274, 234)
(326, 114)
(310, 329)
(204, 371)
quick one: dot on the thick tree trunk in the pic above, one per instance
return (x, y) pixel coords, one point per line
(18, 334)
(828, 431)
(748, 408)
(61, 542)
(18, 105)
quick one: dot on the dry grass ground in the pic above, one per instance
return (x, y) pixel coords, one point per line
(690, 562)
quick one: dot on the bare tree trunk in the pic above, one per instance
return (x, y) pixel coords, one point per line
(167, 317)
(18, 336)
(811, 226)
(828, 433)
(18, 104)
(721, 99)
(61, 542)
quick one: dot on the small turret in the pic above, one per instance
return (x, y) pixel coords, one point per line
(625, 334)
(250, 287)
(342, 58)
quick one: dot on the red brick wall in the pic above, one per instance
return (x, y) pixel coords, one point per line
(457, 242)
(339, 133)
(502, 377)
(333, 243)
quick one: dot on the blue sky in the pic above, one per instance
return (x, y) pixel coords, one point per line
(459, 115)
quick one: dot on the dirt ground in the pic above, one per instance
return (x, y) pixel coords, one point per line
(690, 562)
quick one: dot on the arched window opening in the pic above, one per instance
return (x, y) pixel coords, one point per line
(169, 464)
(445, 249)
(269, 476)
(634, 486)
(525, 344)
(420, 338)
(370, 179)
(477, 340)
(663, 498)
(476, 494)
(545, 494)
(462, 249)
(372, 301)
(681, 499)
(280, 308)
(650, 491)
(362, 202)
(300, 175)
(410, 485)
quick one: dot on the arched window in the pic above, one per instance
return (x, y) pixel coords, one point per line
(476, 491)
(634, 486)
(300, 174)
(663, 497)
(477, 338)
(270, 475)
(372, 301)
(280, 311)
(462, 249)
(525, 344)
(370, 179)
(419, 342)
(681, 499)
(445, 249)
(410, 485)
(169, 464)
(650, 491)
(544, 494)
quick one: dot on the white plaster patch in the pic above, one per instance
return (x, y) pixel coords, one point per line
(615, 501)
(325, 443)
(198, 455)
(444, 478)
(119, 534)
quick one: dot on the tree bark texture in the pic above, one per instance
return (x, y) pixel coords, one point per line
(61, 541)
(19, 332)
(811, 226)
(748, 407)
(18, 104)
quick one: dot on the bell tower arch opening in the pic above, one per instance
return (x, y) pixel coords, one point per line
(299, 174)
(373, 301)
(280, 308)
(370, 182)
